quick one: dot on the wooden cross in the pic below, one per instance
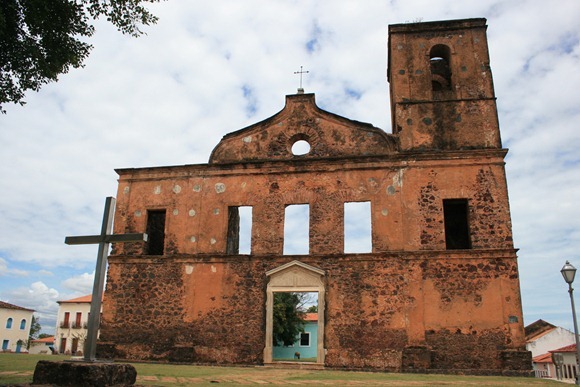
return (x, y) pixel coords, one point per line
(301, 72)
(103, 240)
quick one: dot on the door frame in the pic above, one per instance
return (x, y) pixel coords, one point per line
(297, 277)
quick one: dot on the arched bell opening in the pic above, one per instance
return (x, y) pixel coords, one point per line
(440, 66)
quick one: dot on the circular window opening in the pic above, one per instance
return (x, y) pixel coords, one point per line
(300, 148)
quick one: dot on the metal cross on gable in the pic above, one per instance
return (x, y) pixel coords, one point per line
(300, 89)
(103, 240)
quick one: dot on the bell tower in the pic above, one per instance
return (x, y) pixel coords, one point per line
(442, 95)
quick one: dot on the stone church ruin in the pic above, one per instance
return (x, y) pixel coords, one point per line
(438, 291)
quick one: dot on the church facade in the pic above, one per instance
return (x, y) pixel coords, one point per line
(437, 290)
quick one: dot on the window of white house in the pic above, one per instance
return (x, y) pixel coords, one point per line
(9, 323)
(23, 324)
(305, 339)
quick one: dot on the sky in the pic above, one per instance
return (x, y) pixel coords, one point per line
(212, 67)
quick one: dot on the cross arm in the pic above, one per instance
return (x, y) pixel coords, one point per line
(94, 239)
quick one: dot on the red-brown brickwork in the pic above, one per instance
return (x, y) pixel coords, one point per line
(439, 290)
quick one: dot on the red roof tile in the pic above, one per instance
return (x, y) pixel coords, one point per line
(78, 300)
(311, 317)
(545, 358)
(6, 305)
(568, 348)
(49, 339)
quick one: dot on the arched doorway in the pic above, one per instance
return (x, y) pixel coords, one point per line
(295, 276)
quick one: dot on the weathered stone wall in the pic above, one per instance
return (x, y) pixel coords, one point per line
(328, 134)
(411, 304)
(207, 312)
(466, 117)
(212, 310)
(196, 304)
(406, 197)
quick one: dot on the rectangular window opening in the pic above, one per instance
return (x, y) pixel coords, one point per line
(239, 238)
(297, 229)
(155, 232)
(305, 339)
(357, 227)
(455, 215)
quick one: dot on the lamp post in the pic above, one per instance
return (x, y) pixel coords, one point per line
(569, 272)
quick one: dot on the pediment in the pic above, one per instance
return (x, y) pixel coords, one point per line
(295, 274)
(328, 134)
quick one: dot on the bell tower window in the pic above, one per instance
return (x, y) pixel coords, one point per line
(439, 62)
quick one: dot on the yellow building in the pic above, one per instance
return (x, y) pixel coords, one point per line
(15, 322)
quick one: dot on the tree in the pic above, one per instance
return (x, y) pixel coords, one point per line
(44, 335)
(312, 309)
(288, 318)
(41, 39)
(34, 330)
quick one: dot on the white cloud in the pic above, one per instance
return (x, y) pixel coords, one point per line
(296, 229)
(37, 296)
(357, 227)
(5, 271)
(82, 283)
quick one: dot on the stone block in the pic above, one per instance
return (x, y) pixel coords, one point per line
(106, 350)
(84, 374)
(416, 358)
(181, 354)
(516, 360)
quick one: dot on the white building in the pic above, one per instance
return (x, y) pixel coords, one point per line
(44, 346)
(15, 323)
(568, 370)
(71, 325)
(542, 339)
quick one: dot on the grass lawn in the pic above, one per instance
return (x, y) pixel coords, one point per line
(18, 369)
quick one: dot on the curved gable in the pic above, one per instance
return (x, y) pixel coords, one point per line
(329, 135)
